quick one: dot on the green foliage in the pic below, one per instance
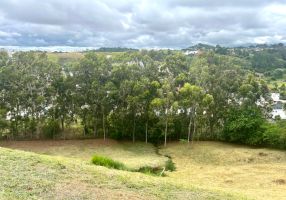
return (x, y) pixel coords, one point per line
(266, 60)
(275, 134)
(139, 95)
(108, 162)
(114, 49)
(244, 125)
(51, 129)
(157, 171)
(170, 165)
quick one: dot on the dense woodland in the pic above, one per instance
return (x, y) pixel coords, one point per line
(153, 96)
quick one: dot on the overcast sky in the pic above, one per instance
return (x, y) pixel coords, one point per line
(141, 23)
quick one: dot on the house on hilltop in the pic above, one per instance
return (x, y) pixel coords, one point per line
(278, 106)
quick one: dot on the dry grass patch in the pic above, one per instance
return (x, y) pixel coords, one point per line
(28, 176)
(230, 168)
(135, 155)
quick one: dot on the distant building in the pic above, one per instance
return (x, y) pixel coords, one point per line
(191, 52)
(278, 105)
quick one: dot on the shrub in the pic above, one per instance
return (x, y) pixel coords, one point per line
(157, 171)
(275, 134)
(51, 129)
(244, 125)
(170, 165)
(108, 162)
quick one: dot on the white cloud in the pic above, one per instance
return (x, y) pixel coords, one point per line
(141, 23)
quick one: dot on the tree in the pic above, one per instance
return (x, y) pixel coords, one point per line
(244, 125)
(193, 101)
(165, 104)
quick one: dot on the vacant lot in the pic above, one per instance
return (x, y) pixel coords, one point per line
(205, 170)
(255, 172)
(133, 155)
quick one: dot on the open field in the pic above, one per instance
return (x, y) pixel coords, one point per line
(65, 57)
(133, 156)
(206, 170)
(255, 172)
(71, 57)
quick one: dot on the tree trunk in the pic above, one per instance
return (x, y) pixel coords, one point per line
(211, 129)
(133, 133)
(94, 130)
(189, 129)
(63, 126)
(146, 132)
(194, 131)
(103, 124)
(166, 131)
(63, 123)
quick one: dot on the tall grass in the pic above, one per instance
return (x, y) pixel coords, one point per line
(108, 162)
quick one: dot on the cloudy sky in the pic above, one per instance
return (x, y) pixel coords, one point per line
(141, 23)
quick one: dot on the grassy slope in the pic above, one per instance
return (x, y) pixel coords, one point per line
(279, 82)
(256, 172)
(27, 175)
(133, 156)
(71, 57)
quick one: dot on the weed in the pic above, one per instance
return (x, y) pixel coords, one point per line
(170, 165)
(108, 162)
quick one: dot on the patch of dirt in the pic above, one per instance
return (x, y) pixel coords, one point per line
(250, 160)
(279, 181)
(228, 181)
(262, 154)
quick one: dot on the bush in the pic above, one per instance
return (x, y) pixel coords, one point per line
(51, 129)
(244, 125)
(275, 134)
(170, 165)
(108, 162)
(157, 171)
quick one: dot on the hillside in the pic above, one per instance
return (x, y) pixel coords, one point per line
(208, 170)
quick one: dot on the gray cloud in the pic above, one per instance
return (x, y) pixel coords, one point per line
(141, 23)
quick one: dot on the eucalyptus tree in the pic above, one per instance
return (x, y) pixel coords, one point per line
(147, 91)
(4, 58)
(221, 77)
(165, 104)
(62, 91)
(193, 101)
(91, 75)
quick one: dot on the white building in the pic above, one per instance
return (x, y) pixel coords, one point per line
(278, 105)
(188, 52)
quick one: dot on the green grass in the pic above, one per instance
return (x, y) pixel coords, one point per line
(107, 162)
(27, 175)
(203, 170)
(170, 165)
(279, 82)
(131, 155)
(110, 163)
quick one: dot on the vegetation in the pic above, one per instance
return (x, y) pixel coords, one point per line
(254, 172)
(115, 49)
(153, 96)
(145, 97)
(275, 134)
(107, 162)
(205, 170)
(48, 177)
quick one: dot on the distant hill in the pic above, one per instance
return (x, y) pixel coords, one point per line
(199, 46)
(115, 49)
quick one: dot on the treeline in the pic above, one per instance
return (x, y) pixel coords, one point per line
(115, 49)
(153, 96)
(267, 59)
